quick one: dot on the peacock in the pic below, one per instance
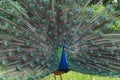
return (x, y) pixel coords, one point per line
(41, 37)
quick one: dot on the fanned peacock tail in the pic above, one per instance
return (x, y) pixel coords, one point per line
(35, 34)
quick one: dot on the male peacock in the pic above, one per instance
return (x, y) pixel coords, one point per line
(54, 36)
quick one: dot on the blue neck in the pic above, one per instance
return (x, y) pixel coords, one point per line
(63, 66)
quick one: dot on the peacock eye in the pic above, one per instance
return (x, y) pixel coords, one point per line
(111, 51)
(40, 49)
(60, 30)
(92, 42)
(77, 11)
(19, 67)
(91, 51)
(106, 26)
(19, 49)
(55, 38)
(112, 42)
(102, 47)
(64, 38)
(28, 34)
(5, 77)
(79, 32)
(29, 43)
(68, 1)
(20, 21)
(32, 6)
(96, 23)
(24, 58)
(18, 34)
(49, 13)
(67, 26)
(32, 64)
(79, 1)
(37, 60)
(32, 54)
(118, 58)
(89, 11)
(4, 62)
(52, 25)
(115, 22)
(101, 34)
(86, 21)
(70, 14)
(7, 43)
(42, 9)
(13, 12)
(46, 2)
(71, 34)
(82, 41)
(44, 21)
(50, 33)
(75, 22)
(34, 19)
(60, 7)
(11, 53)
(33, 1)
(61, 18)
(3, 2)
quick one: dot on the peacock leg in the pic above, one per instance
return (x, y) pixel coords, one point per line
(60, 77)
(54, 77)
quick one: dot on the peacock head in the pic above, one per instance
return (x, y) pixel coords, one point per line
(64, 45)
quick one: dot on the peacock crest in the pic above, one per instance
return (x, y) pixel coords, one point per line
(41, 37)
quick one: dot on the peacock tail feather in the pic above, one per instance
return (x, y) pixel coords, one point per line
(42, 36)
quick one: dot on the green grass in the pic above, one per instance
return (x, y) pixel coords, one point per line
(73, 76)
(78, 76)
(70, 76)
